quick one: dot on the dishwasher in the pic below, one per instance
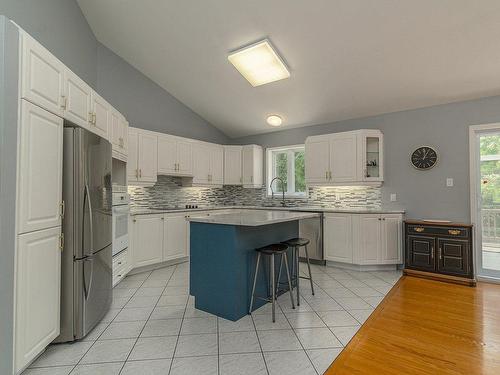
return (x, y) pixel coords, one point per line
(312, 229)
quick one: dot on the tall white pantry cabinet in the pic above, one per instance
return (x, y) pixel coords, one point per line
(49, 93)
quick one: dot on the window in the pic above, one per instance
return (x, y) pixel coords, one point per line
(287, 163)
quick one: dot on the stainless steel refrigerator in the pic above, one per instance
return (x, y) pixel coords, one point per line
(87, 227)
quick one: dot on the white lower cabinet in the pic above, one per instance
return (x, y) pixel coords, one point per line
(147, 240)
(159, 238)
(121, 266)
(338, 244)
(363, 239)
(38, 290)
(175, 236)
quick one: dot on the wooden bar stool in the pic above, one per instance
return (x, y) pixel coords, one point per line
(295, 244)
(271, 250)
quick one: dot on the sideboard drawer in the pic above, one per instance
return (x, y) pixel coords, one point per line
(458, 232)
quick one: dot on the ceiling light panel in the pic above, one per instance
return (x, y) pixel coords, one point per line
(259, 63)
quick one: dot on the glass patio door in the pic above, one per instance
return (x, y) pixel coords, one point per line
(488, 203)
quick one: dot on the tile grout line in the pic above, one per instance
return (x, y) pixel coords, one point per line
(260, 345)
(178, 334)
(147, 320)
(109, 323)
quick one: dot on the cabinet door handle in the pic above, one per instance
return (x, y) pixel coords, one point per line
(251, 178)
(95, 118)
(140, 173)
(379, 219)
(136, 173)
(419, 229)
(432, 252)
(440, 254)
(61, 241)
(63, 209)
(330, 173)
(326, 175)
(64, 102)
(91, 117)
(453, 231)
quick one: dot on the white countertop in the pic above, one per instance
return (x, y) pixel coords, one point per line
(149, 211)
(254, 218)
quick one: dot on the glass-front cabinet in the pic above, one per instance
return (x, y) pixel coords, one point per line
(372, 155)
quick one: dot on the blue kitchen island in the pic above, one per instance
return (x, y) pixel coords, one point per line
(222, 257)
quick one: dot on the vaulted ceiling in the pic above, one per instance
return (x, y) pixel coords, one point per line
(348, 58)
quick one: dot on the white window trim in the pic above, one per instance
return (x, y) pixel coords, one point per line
(269, 172)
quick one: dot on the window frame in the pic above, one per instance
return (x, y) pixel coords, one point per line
(271, 170)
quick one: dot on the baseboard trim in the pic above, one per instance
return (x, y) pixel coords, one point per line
(156, 266)
(488, 279)
(362, 267)
(439, 277)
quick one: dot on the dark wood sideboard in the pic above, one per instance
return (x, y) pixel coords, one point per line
(440, 251)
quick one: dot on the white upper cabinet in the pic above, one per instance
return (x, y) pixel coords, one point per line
(133, 152)
(216, 165)
(208, 164)
(317, 166)
(77, 100)
(38, 290)
(233, 165)
(347, 158)
(42, 76)
(253, 164)
(371, 153)
(99, 123)
(343, 157)
(119, 135)
(40, 169)
(175, 156)
(142, 161)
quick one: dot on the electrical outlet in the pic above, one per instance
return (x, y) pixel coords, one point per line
(449, 182)
(393, 197)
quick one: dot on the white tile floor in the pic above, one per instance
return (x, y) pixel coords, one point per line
(153, 328)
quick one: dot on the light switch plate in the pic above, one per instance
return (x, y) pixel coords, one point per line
(449, 182)
(393, 197)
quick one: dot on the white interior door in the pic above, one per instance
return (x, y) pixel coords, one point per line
(485, 198)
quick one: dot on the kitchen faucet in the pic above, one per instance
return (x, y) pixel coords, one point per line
(283, 203)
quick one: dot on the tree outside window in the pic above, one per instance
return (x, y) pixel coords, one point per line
(288, 164)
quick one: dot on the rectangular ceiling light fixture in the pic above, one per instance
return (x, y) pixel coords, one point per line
(259, 63)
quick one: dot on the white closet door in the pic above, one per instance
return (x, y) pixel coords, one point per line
(40, 169)
(38, 290)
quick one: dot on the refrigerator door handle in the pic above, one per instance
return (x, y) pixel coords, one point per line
(86, 290)
(86, 197)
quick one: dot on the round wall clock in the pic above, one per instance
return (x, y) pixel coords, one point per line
(424, 157)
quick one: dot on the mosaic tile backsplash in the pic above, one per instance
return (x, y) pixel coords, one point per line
(169, 192)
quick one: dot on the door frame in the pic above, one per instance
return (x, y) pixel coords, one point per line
(474, 131)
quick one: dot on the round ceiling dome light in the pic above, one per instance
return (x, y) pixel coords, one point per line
(274, 120)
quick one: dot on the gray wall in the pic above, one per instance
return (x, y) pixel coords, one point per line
(422, 193)
(145, 104)
(61, 27)
(8, 155)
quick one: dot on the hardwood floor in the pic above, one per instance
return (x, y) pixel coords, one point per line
(428, 327)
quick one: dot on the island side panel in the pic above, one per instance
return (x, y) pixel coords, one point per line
(223, 262)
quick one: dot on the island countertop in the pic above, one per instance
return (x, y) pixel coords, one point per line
(254, 218)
